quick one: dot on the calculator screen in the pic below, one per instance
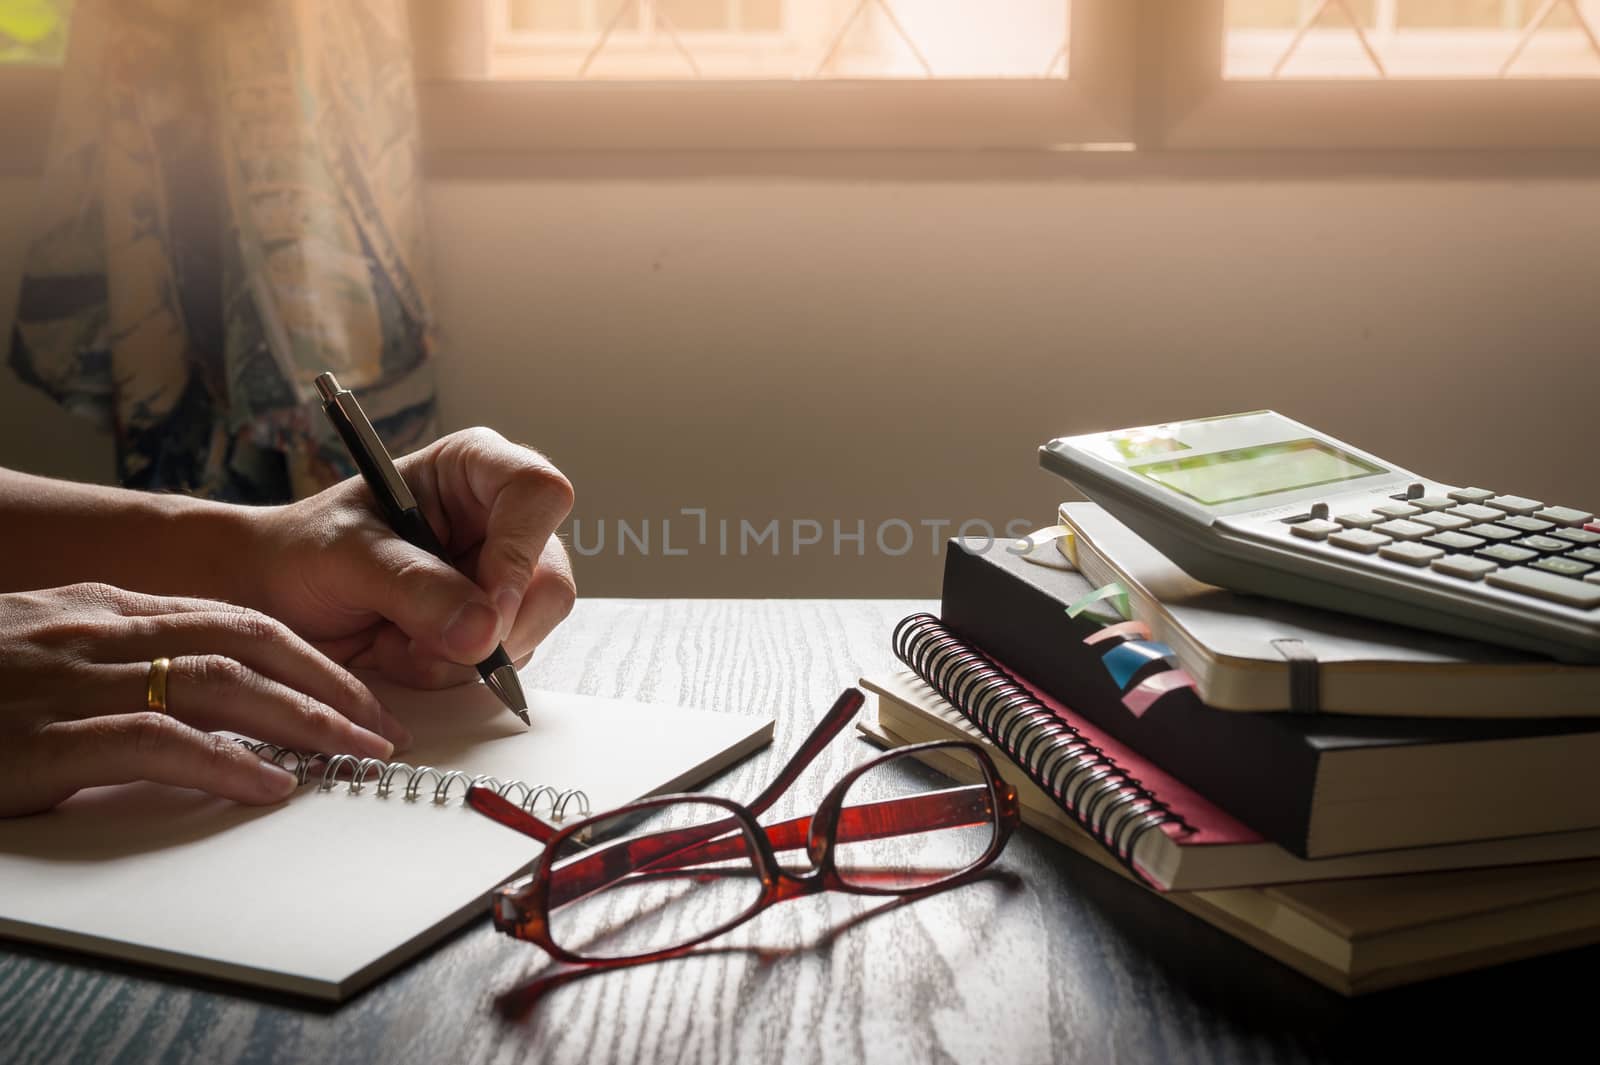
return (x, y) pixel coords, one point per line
(1260, 470)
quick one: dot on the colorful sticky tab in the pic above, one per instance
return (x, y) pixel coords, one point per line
(1147, 691)
(1028, 546)
(1123, 630)
(1116, 593)
(1126, 659)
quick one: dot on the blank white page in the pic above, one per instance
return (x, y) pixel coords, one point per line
(322, 894)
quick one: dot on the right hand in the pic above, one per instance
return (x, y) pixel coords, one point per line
(73, 673)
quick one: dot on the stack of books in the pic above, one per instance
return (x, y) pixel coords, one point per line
(1430, 815)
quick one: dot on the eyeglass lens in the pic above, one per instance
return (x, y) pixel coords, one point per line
(623, 911)
(888, 845)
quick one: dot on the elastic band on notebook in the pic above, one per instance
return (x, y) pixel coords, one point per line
(1125, 660)
(1113, 591)
(1147, 691)
(1305, 680)
(1124, 630)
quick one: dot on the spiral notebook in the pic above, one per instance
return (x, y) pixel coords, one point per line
(324, 893)
(1077, 778)
(1353, 935)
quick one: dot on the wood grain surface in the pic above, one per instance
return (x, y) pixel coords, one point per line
(1051, 959)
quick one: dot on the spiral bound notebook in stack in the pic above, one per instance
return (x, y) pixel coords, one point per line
(323, 894)
(1075, 780)
(1354, 935)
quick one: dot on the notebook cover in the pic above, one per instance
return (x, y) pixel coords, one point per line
(1262, 768)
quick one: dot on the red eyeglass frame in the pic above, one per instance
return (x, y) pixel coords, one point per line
(522, 908)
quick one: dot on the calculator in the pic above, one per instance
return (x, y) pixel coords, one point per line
(1260, 503)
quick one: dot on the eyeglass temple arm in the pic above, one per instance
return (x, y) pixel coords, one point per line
(838, 716)
(685, 848)
(502, 810)
(927, 812)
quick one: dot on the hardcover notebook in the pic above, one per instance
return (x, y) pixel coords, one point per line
(1320, 785)
(1352, 935)
(1231, 644)
(328, 891)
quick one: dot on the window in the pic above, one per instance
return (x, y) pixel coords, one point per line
(1375, 74)
(1412, 38)
(33, 32)
(541, 75)
(790, 39)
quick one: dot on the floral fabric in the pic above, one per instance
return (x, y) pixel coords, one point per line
(231, 206)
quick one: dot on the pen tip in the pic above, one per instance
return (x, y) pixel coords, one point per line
(503, 682)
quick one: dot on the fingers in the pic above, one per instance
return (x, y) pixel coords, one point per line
(548, 601)
(444, 612)
(212, 692)
(516, 496)
(266, 652)
(151, 746)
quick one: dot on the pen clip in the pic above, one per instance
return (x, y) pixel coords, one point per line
(362, 441)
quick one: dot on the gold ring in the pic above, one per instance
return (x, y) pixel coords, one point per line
(155, 689)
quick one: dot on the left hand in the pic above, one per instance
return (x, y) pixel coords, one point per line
(333, 570)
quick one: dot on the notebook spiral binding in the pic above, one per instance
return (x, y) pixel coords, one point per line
(356, 772)
(1094, 790)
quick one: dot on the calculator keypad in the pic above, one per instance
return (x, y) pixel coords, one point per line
(1474, 534)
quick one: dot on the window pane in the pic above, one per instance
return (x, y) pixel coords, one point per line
(655, 39)
(1412, 38)
(33, 31)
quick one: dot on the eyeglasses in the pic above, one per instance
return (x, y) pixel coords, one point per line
(703, 865)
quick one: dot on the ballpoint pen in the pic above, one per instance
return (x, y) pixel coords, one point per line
(400, 508)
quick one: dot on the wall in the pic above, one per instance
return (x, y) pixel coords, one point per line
(860, 339)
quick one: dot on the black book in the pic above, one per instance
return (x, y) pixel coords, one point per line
(1317, 784)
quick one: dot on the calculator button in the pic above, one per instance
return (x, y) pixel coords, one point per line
(1409, 553)
(1434, 502)
(1454, 541)
(1466, 567)
(1525, 523)
(1364, 519)
(1548, 545)
(1470, 495)
(1473, 512)
(1363, 540)
(1586, 554)
(1565, 516)
(1515, 504)
(1315, 529)
(1442, 521)
(1592, 526)
(1592, 578)
(1506, 554)
(1567, 567)
(1494, 532)
(1397, 510)
(1546, 586)
(1577, 536)
(1401, 529)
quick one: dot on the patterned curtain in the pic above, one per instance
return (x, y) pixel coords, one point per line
(232, 205)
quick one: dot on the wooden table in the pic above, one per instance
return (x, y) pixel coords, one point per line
(1053, 959)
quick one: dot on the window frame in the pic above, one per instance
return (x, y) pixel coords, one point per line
(1142, 76)
(466, 110)
(1195, 107)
